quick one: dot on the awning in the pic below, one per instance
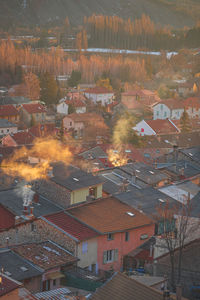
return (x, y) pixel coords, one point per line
(55, 275)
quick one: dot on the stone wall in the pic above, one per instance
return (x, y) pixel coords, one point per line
(53, 192)
(36, 231)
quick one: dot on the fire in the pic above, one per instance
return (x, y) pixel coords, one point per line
(116, 157)
(46, 150)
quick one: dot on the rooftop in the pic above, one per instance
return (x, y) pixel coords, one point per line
(16, 266)
(73, 178)
(71, 226)
(22, 138)
(8, 285)
(8, 110)
(109, 215)
(6, 124)
(33, 108)
(13, 200)
(121, 287)
(46, 255)
(98, 90)
(162, 126)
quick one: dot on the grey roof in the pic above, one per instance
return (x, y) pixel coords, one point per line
(193, 153)
(14, 100)
(13, 200)
(12, 263)
(73, 178)
(190, 168)
(195, 206)
(144, 172)
(95, 152)
(6, 124)
(147, 199)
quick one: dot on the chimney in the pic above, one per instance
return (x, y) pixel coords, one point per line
(25, 210)
(31, 210)
(178, 292)
(36, 198)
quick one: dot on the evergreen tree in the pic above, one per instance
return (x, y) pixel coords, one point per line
(61, 134)
(185, 122)
(49, 88)
(74, 79)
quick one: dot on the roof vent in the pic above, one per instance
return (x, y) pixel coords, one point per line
(161, 200)
(151, 172)
(7, 273)
(75, 179)
(130, 214)
(190, 154)
(137, 171)
(24, 269)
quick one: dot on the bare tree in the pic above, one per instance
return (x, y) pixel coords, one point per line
(177, 228)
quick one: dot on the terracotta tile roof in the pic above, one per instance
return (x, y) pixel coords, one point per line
(33, 108)
(75, 228)
(42, 130)
(109, 215)
(8, 110)
(192, 102)
(173, 103)
(22, 138)
(121, 287)
(98, 90)
(76, 102)
(162, 126)
(46, 255)
(7, 285)
(7, 218)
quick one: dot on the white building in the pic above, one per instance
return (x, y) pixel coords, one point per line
(7, 127)
(156, 127)
(99, 95)
(170, 109)
(62, 107)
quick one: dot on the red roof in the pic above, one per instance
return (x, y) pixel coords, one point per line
(8, 110)
(76, 102)
(33, 108)
(192, 102)
(8, 285)
(172, 103)
(7, 219)
(42, 130)
(22, 138)
(70, 225)
(98, 90)
(162, 126)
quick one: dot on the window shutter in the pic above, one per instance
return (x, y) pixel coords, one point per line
(104, 257)
(116, 255)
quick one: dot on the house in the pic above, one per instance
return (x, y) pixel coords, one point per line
(15, 101)
(122, 287)
(84, 238)
(168, 109)
(121, 228)
(20, 138)
(33, 113)
(50, 258)
(99, 95)
(79, 124)
(139, 99)
(192, 106)
(21, 269)
(12, 289)
(156, 127)
(43, 130)
(69, 185)
(62, 107)
(78, 105)
(10, 113)
(7, 127)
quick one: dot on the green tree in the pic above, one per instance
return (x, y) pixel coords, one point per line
(71, 109)
(61, 134)
(74, 79)
(164, 92)
(49, 88)
(185, 122)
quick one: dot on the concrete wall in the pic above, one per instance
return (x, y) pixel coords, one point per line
(62, 108)
(176, 113)
(8, 130)
(161, 111)
(90, 257)
(144, 129)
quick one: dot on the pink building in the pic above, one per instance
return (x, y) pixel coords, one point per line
(121, 228)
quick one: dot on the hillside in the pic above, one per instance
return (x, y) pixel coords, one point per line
(31, 12)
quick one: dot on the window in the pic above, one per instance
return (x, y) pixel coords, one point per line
(110, 256)
(84, 247)
(165, 114)
(157, 113)
(70, 123)
(126, 236)
(161, 107)
(54, 282)
(7, 130)
(110, 236)
(93, 191)
(33, 227)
